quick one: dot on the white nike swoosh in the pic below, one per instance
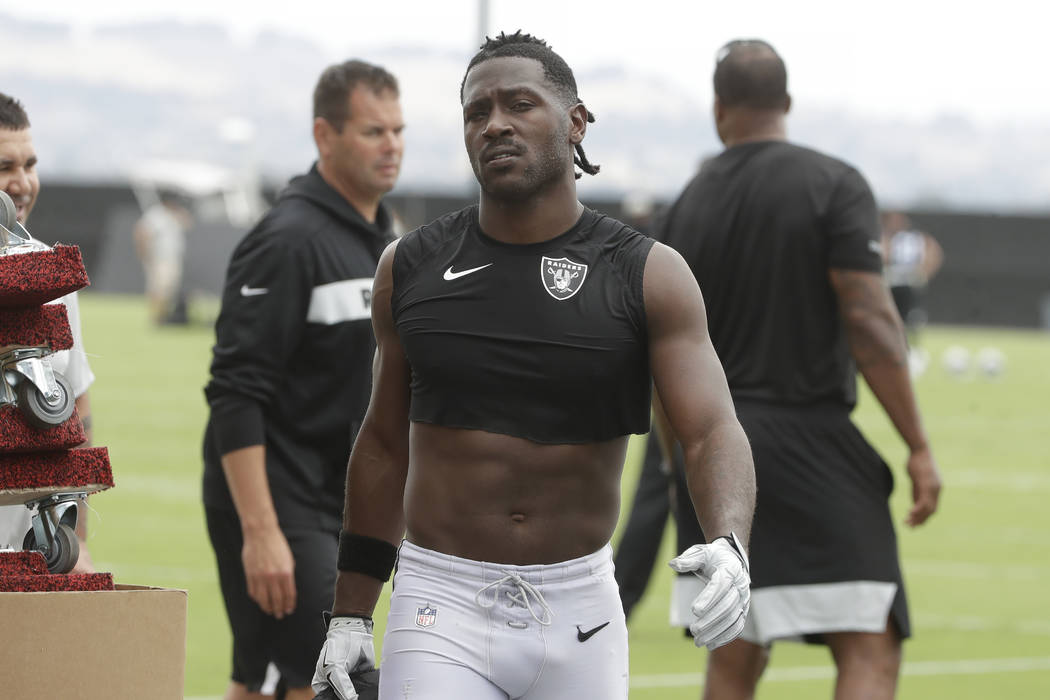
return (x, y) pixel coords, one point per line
(450, 275)
(247, 291)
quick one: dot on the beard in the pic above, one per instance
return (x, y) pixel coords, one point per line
(548, 166)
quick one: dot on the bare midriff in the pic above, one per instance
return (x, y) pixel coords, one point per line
(508, 500)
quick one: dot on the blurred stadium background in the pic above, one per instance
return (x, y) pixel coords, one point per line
(113, 109)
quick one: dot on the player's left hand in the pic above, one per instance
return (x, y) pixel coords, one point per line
(722, 606)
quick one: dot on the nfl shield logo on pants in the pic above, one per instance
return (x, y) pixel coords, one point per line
(426, 616)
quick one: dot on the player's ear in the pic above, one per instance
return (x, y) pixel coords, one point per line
(578, 118)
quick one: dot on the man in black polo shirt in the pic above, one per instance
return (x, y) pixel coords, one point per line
(784, 242)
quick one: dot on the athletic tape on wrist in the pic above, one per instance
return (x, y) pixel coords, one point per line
(366, 619)
(366, 555)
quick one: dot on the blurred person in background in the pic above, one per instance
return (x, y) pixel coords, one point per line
(19, 179)
(290, 381)
(517, 343)
(911, 259)
(784, 242)
(160, 241)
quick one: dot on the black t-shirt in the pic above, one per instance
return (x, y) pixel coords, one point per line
(544, 341)
(760, 226)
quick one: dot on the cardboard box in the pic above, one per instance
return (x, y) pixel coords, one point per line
(125, 644)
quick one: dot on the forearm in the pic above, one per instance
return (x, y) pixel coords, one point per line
(356, 594)
(879, 348)
(721, 478)
(374, 508)
(245, 470)
(375, 491)
(662, 429)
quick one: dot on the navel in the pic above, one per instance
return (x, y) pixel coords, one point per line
(517, 517)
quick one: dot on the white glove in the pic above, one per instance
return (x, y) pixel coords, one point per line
(722, 606)
(349, 648)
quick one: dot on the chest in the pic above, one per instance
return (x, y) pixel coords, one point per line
(563, 318)
(557, 296)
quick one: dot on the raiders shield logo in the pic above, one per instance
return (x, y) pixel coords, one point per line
(426, 616)
(562, 277)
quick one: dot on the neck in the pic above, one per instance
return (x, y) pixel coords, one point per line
(537, 218)
(748, 126)
(366, 204)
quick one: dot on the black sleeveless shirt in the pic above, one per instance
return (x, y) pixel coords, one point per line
(545, 341)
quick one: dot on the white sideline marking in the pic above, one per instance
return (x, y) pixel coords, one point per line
(809, 673)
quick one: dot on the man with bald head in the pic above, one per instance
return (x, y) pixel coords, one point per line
(784, 242)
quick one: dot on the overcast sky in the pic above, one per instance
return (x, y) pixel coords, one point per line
(914, 59)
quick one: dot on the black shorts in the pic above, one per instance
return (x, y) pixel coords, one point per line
(293, 643)
(823, 547)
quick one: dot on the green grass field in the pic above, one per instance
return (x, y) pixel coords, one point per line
(977, 572)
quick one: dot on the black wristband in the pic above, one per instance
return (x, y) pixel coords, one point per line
(366, 555)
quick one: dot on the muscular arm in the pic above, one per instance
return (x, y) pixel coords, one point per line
(877, 342)
(375, 480)
(693, 394)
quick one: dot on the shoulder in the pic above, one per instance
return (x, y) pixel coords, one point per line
(419, 243)
(669, 286)
(616, 240)
(665, 264)
(832, 167)
(290, 227)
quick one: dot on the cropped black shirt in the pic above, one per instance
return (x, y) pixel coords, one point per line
(543, 341)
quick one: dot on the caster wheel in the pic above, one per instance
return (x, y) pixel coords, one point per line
(41, 412)
(63, 553)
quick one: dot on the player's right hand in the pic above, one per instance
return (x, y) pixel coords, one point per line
(269, 568)
(349, 648)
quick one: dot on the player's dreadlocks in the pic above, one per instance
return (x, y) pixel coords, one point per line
(555, 70)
